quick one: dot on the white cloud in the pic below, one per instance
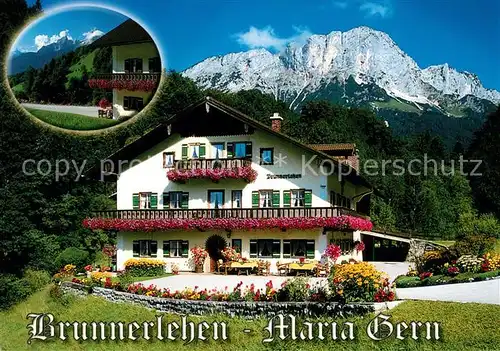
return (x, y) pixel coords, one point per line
(340, 4)
(90, 36)
(266, 38)
(42, 40)
(371, 8)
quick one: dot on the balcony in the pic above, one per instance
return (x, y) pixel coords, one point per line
(213, 169)
(255, 213)
(212, 163)
(334, 218)
(125, 81)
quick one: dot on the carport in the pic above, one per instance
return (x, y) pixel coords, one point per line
(386, 247)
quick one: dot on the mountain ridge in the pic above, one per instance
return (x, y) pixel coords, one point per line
(369, 56)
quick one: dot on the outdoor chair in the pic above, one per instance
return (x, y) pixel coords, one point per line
(264, 268)
(282, 268)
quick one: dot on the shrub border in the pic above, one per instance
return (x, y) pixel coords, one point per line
(427, 282)
(237, 308)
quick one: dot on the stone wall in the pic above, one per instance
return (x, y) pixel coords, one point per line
(242, 309)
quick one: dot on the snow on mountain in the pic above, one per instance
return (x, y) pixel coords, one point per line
(366, 55)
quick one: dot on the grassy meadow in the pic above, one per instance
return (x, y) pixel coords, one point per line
(72, 121)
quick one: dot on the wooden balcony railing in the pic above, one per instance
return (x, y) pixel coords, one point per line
(212, 163)
(256, 213)
(128, 76)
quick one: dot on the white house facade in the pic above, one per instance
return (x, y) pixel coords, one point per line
(213, 177)
(136, 68)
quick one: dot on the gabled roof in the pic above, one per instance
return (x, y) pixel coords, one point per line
(160, 133)
(129, 32)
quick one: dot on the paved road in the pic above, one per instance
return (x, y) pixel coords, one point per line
(481, 292)
(79, 110)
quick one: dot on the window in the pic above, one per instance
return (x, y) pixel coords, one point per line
(337, 199)
(144, 200)
(154, 65)
(176, 200)
(267, 156)
(133, 65)
(133, 103)
(346, 245)
(265, 248)
(216, 199)
(217, 150)
(236, 244)
(297, 198)
(265, 198)
(236, 196)
(298, 248)
(145, 248)
(195, 151)
(176, 248)
(168, 159)
(239, 150)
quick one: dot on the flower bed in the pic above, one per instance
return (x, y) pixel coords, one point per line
(144, 267)
(148, 225)
(439, 279)
(181, 175)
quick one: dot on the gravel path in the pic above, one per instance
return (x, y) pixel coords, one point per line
(79, 110)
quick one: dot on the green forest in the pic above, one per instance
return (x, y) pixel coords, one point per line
(64, 80)
(41, 216)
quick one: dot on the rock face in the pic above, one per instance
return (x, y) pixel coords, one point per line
(326, 64)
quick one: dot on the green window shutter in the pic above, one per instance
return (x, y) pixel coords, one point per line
(230, 150)
(154, 248)
(248, 149)
(166, 248)
(185, 248)
(310, 249)
(135, 201)
(308, 198)
(287, 249)
(166, 200)
(253, 248)
(184, 151)
(185, 200)
(135, 248)
(276, 248)
(287, 199)
(276, 198)
(154, 201)
(203, 150)
(255, 199)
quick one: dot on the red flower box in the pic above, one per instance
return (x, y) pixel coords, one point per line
(150, 225)
(181, 175)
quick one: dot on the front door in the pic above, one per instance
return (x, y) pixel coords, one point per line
(214, 246)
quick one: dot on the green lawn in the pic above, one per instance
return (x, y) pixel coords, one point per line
(464, 327)
(75, 71)
(72, 121)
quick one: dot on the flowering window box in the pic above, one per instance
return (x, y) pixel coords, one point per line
(181, 175)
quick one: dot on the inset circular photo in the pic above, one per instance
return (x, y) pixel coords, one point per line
(84, 68)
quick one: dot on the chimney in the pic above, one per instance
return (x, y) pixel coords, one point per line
(276, 122)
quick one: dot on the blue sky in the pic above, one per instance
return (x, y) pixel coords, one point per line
(464, 34)
(79, 23)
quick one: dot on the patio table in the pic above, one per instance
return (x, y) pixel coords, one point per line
(242, 266)
(302, 268)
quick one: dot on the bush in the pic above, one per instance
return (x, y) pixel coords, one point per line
(476, 245)
(13, 290)
(144, 267)
(296, 289)
(357, 282)
(36, 279)
(72, 255)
